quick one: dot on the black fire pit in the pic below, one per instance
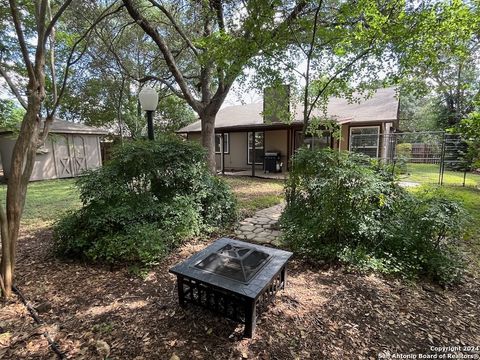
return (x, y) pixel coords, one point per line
(233, 278)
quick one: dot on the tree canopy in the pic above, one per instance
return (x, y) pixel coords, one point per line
(442, 57)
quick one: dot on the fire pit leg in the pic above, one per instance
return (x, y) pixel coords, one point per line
(283, 277)
(181, 294)
(250, 318)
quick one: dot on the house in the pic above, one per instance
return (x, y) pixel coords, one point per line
(69, 150)
(362, 125)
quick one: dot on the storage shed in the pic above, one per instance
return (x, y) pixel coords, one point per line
(70, 149)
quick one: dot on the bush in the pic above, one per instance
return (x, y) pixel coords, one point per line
(335, 197)
(144, 202)
(342, 206)
(404, 153)
(218, 204)
(424, 234)
(404, 150)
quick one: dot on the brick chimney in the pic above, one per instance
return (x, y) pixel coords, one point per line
(276, 104)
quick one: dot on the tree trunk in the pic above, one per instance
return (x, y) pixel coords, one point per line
(6, 276)
(208, 139)
(23, 159)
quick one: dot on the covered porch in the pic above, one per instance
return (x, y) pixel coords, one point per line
(258, 174)
(248, 150)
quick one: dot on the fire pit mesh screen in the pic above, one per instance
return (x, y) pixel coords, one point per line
(238, 263)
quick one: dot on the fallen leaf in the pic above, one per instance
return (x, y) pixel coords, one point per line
(103, 349)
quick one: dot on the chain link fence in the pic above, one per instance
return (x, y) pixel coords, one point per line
(433, 157)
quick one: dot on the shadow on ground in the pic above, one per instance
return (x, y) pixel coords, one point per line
(325, 313)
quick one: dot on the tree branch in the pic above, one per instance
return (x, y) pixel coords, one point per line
(309, 53)
(291, 17)
(12, 87)
(176, 26)
(217, 6)
(55, 18)
(41, 14)
(164, 81)
(332, 78)
(169, 59)
(236, 66)
(71, 61)
(21, 39)
(52, 58)
(126, 72)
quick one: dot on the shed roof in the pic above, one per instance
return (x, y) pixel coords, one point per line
(67, 127)
(382, 106)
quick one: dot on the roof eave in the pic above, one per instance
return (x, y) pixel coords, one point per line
(277, 126)
(81, 132)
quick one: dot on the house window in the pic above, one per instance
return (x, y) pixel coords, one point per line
(312, 142)
(365, 140)
(258, 148)
(226, 143)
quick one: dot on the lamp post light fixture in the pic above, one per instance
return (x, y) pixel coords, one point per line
(148, 101)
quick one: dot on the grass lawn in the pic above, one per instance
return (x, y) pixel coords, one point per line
(428, 174)
(47, 201)
(470, 199)
(254, 193)
(468, 196)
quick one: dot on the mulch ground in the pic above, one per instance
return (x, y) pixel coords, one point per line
(94, 312)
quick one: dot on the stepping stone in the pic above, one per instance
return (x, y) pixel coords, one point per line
(247, 228)
(264, 233)
(262, 227)
(262, 240)
(262, 223)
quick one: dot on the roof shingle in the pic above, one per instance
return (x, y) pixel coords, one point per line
(381, 106)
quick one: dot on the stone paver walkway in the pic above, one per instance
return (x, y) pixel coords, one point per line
(262, 226)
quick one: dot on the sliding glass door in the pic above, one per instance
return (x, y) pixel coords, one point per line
(259, 147)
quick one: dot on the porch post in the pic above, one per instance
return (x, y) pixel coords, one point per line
(288, 150)
(253, 153)
(222, 161)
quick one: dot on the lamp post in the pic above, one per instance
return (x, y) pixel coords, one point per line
(148, 101)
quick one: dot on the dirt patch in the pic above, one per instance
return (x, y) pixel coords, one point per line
(324, 313)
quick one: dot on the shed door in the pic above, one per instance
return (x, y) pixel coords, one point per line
(62, 156)
(79, 157)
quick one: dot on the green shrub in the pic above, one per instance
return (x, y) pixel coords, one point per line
(334, 197)
(218, 204)
(144, 202)
(424, 234)
(342, 206)
(404, 152)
